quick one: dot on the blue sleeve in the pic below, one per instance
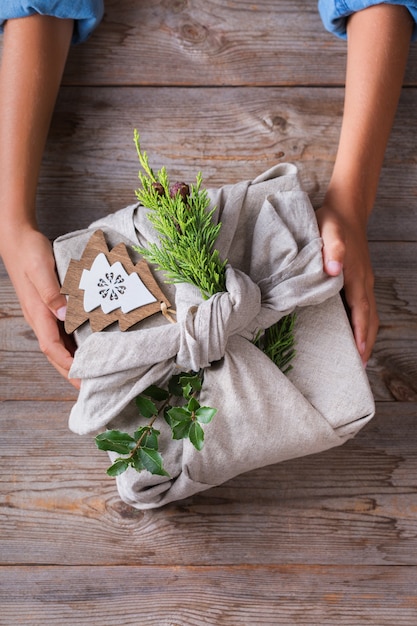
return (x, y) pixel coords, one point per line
(86, 13)
(335, 12)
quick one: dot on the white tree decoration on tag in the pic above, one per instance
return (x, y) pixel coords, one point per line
(111, 287)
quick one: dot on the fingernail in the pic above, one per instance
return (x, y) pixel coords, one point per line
(362, 347)
(334, 267)
(61, 312)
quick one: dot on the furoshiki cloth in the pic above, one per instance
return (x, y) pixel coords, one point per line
(270, 237)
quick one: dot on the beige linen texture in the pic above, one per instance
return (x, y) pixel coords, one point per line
(270, 237)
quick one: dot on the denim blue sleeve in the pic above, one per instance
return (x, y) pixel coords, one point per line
(86, 13)
(335, 12)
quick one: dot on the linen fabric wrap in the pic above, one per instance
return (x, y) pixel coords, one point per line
(270, 237)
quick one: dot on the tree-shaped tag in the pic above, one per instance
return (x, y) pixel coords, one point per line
(105, 286)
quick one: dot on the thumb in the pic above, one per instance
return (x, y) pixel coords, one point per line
(334, 247)
(47, 285)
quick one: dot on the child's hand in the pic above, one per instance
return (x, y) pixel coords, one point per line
(30, 263)
(345, 248)
(378, 43)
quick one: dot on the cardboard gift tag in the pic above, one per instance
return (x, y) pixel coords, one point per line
(105, 286)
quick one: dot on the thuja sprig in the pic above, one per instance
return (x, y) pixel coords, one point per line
(187, 233)
(278, 342)
(185, 422)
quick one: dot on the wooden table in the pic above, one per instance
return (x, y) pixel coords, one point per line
(326, 540)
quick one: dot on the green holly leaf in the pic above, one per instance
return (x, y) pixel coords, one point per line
(196, 435)
(139, 432)
(115, 441)
(136, 462)
(167, 416)
(193, 405)
(152, 461)
(149, 437)
(174, 386)
(187, 390)
(146, 407)
(190, 383)
(156, 393)
(193, 378)
(179, 414)
(118, 467)
(205, 414)
(181, 430)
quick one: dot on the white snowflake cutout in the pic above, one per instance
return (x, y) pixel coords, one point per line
(111, 287)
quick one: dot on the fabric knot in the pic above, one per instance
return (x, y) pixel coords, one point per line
(206, 325)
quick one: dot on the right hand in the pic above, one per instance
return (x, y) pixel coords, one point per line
(30, 264)
(345, 247)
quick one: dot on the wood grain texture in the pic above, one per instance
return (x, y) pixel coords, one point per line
(173, 596)
(211, 42)
(208, 42)
(224, 87)
(90, 167)
(351, 505)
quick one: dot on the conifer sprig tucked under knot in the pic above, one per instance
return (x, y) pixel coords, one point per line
(187, 233)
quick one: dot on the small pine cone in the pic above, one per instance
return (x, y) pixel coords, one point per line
(159, 189)
(179, 188)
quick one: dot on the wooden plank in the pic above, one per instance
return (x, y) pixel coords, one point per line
(90, 166)
(207, 42)
(221, 87)
(354, 505)
(215, 595)
(31, 378)
(392, 368)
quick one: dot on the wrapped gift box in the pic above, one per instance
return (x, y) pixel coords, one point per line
(270, 238)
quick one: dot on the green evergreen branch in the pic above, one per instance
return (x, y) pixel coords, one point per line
(187, 234)
(278, 342)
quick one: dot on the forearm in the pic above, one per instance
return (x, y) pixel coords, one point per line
(378, 43)
(34, 54)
